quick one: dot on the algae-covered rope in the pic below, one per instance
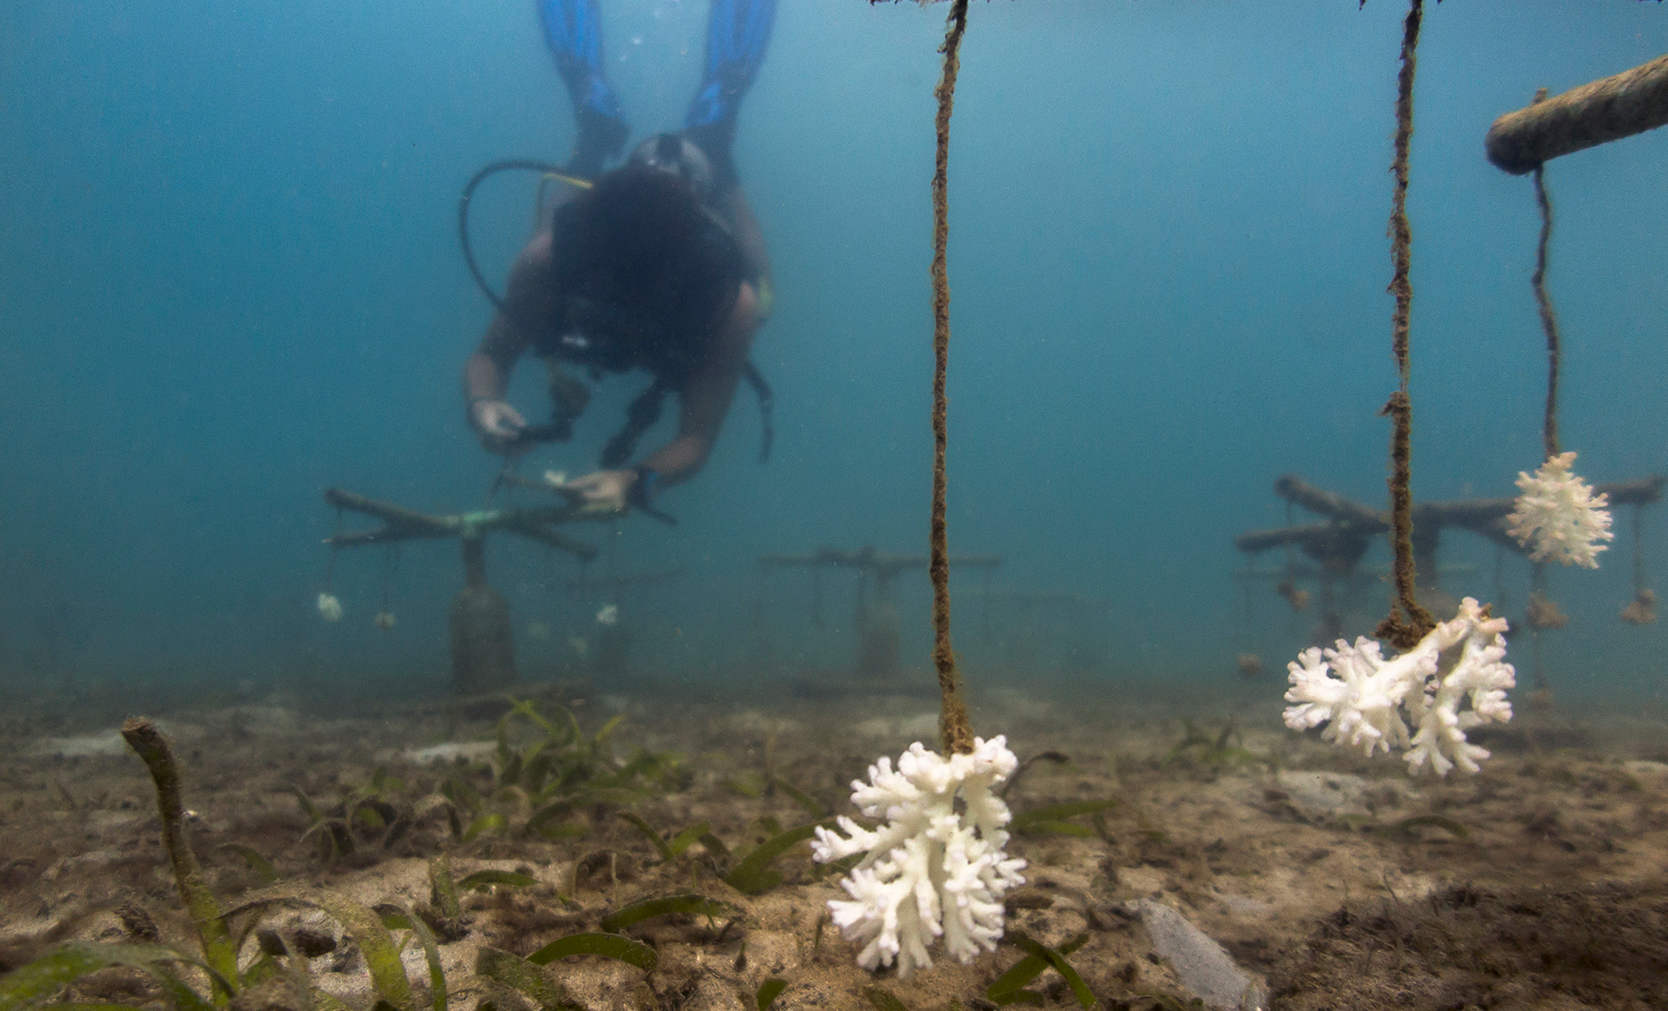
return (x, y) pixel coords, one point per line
(1641, 582)
(957, 731)
(1403, 633)
(1549, 320)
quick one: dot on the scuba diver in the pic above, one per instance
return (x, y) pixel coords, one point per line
(657, 265)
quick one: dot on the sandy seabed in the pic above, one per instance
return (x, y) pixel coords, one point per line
(1334, 881)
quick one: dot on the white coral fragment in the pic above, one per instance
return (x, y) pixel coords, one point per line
(1557, 516)
(1412, 702)
(330, 609)
(937, 868)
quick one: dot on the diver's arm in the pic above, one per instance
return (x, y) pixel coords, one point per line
(486, 382)
(706, 399)
(705, 402)
(749, 236)
(486, 376)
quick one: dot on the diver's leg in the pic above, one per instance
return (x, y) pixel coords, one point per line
(573, 31)
(738, 31)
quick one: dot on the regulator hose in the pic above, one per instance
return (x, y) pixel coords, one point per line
(507, 165)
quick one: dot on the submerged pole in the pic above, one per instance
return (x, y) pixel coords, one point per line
(483, 651)
(1605, 110)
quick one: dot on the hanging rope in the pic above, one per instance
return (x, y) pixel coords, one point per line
(1543, 613)
(986, 636)
(1287, 587)
(1500, 596)
(759, 595)
(1403, 633)
(816, 598)
(1543, 301)
(1401, 234)
(335, 549)
(1641, 581)
(860, 606)
(1642, 609)
(390, 565)
(958, 732)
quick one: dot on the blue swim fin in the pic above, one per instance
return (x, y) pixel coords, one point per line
(573, 31)
(738, 32)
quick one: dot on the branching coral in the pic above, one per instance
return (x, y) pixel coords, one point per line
(1557, 516)
(932, 871)
(1412, 702)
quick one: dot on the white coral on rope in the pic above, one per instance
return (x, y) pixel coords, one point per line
(931, 871)
(1557, 516)
(330, 609)
(1411, 702)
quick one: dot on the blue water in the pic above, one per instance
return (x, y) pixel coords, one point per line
(231, 279)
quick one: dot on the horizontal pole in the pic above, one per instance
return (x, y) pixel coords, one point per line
(1605, 110)
(553, 539)
(1258, 541)
(394, 515)
(1328, 503)
(1483, 516)
(402, 524)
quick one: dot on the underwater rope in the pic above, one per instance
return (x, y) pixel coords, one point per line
(958, 732)
(1543, 302)
(1641, 582)
(1403, 634)
(1642, 609)
(390, 565)
(1549, 320)
(330, 569)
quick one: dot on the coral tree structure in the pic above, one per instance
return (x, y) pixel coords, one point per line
(1557, 516)
(1412, 702)
(931, 871)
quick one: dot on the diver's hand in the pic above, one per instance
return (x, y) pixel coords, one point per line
(497, 423)
(606, 492)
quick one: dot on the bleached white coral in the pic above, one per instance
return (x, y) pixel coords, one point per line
(330, 609)
(1557, 516)
(1411, 702)
(931, 871)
